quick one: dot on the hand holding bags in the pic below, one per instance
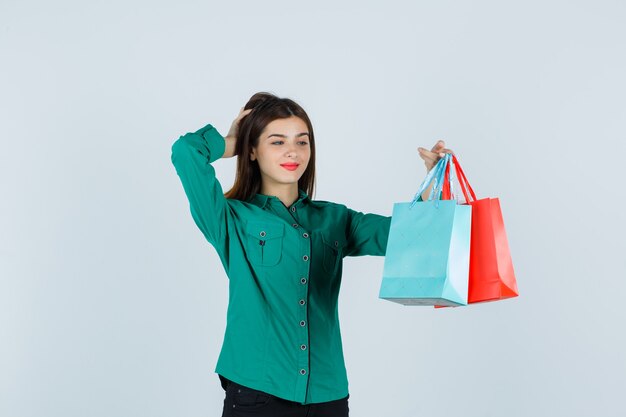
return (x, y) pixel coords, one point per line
(427, 256)
(428, 249)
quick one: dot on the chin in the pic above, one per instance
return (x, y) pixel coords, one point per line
(292, 180)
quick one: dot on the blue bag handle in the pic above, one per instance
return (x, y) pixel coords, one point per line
(452, 178)
(439, 178)
(437, 174)
(429, 177)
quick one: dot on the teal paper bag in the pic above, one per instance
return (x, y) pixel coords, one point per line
(427, 256)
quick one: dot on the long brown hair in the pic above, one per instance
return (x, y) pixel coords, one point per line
(267, 108)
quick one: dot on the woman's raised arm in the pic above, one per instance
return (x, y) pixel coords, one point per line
(192, 156)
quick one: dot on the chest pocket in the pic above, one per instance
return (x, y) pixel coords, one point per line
(333, 251)
(264, 242)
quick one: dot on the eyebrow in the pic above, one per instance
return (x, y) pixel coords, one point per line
(285, 136)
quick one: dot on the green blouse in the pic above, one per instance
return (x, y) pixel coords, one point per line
(284, 267)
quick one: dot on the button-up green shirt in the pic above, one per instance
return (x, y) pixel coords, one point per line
(284, 267)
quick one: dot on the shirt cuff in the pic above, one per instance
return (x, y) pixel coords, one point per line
(215, 141)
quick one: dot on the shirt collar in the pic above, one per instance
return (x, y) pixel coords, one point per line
(262, 200)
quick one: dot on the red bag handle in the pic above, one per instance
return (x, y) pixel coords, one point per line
(460, 174)
(463, 180)
(445, 191)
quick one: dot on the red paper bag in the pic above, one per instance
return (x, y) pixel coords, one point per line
(491, 274)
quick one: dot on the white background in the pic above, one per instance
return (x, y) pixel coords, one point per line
(113, 304)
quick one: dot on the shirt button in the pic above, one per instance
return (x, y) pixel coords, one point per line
(305, 235)
(295, 225)
(302, 302)
(303, 347)
(303, 281)
(303, 323)
(262, 234)
(293, 209)
(302, 371)
(305, 258)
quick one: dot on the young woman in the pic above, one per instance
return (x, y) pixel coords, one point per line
(282, 251)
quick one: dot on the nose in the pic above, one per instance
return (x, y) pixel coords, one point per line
(291, 151)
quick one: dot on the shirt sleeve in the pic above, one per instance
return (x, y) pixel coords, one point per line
(192, 155)
(366, 233)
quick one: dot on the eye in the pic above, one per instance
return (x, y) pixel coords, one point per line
(304, 142)
(278, 141)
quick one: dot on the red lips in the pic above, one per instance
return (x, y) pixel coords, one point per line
(290, 167)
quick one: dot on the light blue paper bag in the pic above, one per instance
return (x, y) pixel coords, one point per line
(427, 256)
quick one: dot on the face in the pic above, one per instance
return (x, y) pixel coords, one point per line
(283, 151)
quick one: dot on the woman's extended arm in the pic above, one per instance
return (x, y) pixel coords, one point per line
(366, 233)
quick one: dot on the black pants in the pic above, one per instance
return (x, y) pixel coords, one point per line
(244, 401)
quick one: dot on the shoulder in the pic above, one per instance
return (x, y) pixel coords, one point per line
(328, 205)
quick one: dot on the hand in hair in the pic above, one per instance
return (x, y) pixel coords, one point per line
(231, 138)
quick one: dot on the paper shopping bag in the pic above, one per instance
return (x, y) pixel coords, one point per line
(491, 274)
(427, 255)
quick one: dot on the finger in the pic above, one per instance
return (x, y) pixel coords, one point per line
(430, 161)
(424, 153)
(438, 146)
(433, 156)
(243, 113)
